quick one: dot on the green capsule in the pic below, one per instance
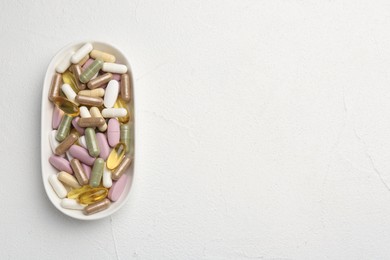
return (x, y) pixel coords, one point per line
(127, 137)
(90, 139)
(97, 173)
(92, 69)
(64, 128)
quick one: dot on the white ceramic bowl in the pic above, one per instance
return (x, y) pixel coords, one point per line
(46, 128)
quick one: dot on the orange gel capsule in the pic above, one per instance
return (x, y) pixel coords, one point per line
(67, 106)
(68, 78)
(93, 195)
(116, 156)
(75, 193)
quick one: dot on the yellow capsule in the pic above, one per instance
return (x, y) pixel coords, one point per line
(68, 78)
(116, 156)
(93, 195)
(67, 106)
(75, 193)
(120, 103)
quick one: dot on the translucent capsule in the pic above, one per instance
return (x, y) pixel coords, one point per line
(66, 144)
(93, 195)
(79, 172)
(91, 70)
(126, 88)
(97, 207)
(97, 173)
(99, 81)
(116, 156)
(90, 138)
(89, 101)
(66, 105)
(96, 54)
(75, 193)
(120, 103)
(55, 86)
(64, 128)
(69, 78)
(123, 166)
(127, 137)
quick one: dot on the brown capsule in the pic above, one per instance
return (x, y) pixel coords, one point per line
(99, 81)
(89, 101)
(126, 87)
(55, 86)
(66, 144)
(79, 172)
(83, 61)
(122, 167)
(96, 207)
(91, 121)
(76, 69)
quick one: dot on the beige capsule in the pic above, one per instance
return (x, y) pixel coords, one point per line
(79, 172)
(89, 101)
(55, 86)
(122, 167)
(99, 81)
(96, 54)
(91, 121)
(76, 69)
(96, 207)
(68, 179)
(126, 88)
(66, 144)
(98, 92)
(95, 112)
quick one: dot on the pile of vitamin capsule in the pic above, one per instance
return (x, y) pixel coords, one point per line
(93, 132)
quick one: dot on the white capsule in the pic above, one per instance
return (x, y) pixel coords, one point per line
(71, 204)
(64, 63)
(114, 112)
(69, 92)
(84, 112)
(83, 142)
(111, 93)
(52, 140)
(58, 187)
(95, 112)
(107, 180)
(114, 68)
(81, 53)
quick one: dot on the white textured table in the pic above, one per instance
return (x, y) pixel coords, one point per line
(263, 129)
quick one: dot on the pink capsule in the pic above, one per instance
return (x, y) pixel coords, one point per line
(82, 154)
(103, 145)
(87, 63)
(87, 169)
(117, 188)
(60, 164)
(117, 77)
(57, 116)
(75, 124)
(113, 132)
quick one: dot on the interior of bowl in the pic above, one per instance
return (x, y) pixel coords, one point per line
(46, 128)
